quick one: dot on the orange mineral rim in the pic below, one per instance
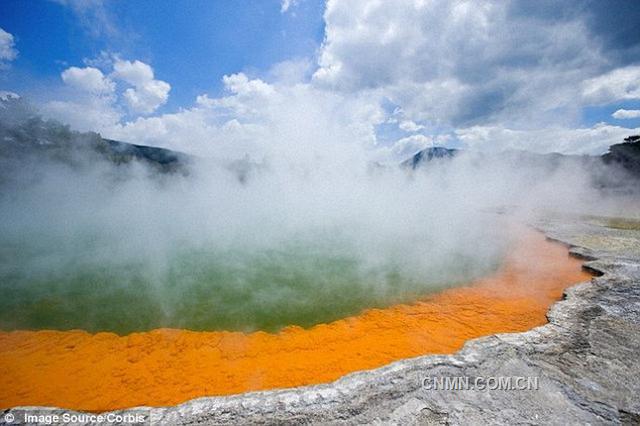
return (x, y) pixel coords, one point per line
(104, 371)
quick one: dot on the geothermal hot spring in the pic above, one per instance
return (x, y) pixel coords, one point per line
(123, 288)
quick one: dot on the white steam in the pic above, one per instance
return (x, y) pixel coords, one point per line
(311, 225)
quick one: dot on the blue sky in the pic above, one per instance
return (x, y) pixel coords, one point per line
(596, 114)
(191, 44)
(215, 77)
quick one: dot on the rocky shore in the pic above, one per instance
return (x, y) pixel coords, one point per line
(585, 362)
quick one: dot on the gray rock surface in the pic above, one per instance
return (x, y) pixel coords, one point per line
(586, 361)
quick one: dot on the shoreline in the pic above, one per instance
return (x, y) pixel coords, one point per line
(146, 363)
(582, 356)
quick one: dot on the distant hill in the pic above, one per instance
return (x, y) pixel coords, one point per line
(165, 159)
(25, 134)
(616, 171)
(427, 155)
(625, 155)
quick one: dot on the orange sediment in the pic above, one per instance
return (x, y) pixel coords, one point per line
(104, 371)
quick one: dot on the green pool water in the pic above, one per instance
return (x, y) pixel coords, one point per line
(45, 286)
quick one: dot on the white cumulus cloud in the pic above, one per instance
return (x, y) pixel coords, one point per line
(588, 140)
(88, 79)
(147, 93)
(265, 120)
(406, 147)
(8, 51)
(95, 100)
(622, 114)
(410, 126)
(488, 75)
(621, 83)
(458, 62)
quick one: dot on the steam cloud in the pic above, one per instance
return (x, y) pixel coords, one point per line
(309, 233)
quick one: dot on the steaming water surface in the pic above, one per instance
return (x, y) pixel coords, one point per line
(114, 249)
(301, 283)
(166, 367)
